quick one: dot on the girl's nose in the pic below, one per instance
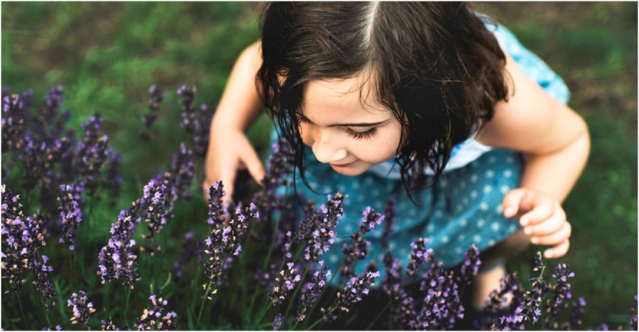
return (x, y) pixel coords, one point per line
(326, 151)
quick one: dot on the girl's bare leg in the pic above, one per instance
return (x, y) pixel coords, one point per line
(486, 282)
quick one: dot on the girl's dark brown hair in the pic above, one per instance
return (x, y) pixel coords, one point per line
(433, 64)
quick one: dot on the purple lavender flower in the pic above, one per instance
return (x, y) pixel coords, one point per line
(202, 129)
(154, 317)
(393, 279)
(561, 291)
(217, 212)
(527, 307)
(13, 120)
(41, 281)
(404, 310)
(187, 99)
(156, 96)
(116, 259)
(417, 256)
(352, 293)
(224, 239)
(576, 315)
(109, 326)
(71, 213)
(389, 220)
(358, 250)
(21, 238)
(318, 228)
(441, 307)
(471, 264)
(183, 167)
(312, 290)
(91, 153)
(493, 309)
(278, 170)
(82, 310)
(57, 328)
(285, 281)
(277, 322)
(157, 200)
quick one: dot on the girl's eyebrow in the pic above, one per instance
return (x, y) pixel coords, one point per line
(347, 124)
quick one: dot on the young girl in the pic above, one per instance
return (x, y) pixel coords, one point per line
(429, 103)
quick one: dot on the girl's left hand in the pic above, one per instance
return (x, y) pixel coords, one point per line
(542, 217)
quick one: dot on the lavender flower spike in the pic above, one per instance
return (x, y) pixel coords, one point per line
(352, 293)
(470, 267)
(417, 256)
(284, 282)
(277, 322)
(81, 309)
(71, 213)
(154, 317)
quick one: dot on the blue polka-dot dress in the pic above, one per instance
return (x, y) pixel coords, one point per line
(468, 197)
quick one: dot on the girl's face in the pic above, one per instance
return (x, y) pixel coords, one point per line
(349, 135)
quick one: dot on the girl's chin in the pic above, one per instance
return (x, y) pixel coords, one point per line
(350, 170)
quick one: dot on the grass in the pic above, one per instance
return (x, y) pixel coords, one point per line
(107, 55)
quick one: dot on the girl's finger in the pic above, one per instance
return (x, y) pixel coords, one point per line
(555, 238)
(511, 202)
(546, 227)
(544, 208)
(558, 251)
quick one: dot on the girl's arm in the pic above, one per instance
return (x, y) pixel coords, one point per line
(555, 143)
(553, 138)
(240, 103)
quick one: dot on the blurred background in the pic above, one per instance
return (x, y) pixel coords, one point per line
(106, 55)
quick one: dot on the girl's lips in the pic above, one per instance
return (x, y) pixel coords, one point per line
(341, 165)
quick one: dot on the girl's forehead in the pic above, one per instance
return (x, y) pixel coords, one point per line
(342, 97)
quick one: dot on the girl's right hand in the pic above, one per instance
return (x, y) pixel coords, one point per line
(229, 151)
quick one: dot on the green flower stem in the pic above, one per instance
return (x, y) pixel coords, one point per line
(321, 319)
(378, 316)
(24, 318)
(206, 293)
(261, 315)
(127, 291)
(46, 312)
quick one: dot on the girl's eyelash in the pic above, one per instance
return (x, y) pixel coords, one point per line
(367, 134)
(355, 134)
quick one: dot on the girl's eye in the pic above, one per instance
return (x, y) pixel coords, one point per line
(355, 134)
(367, 134)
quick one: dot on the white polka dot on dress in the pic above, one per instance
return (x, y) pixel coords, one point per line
(512, 228)
(463, 222)
(488, 189)
(445, 239)
(481, 223)
(504, 189)
(495, 226)
(477, 238)
(490, 174)
(461, 237)
(491, 242)
(473, 178)
(499, 209)
(483, 206)
(333, 259)
(508, 173)
(473, 194)
(458, 250)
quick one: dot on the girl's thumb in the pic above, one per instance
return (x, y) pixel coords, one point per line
(254, 165)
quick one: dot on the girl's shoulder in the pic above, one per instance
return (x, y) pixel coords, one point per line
(531, 64)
